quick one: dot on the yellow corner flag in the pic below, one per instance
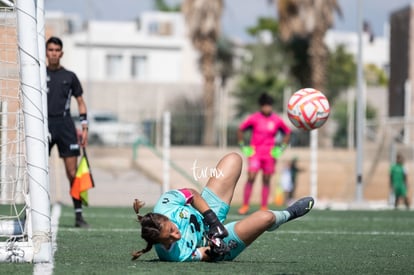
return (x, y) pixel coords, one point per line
(83, 180)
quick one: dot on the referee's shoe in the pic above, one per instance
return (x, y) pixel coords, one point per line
(81, 223)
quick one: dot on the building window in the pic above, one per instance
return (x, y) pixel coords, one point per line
(163, 28)
(139, 67)
(153, 27)
(114, 65)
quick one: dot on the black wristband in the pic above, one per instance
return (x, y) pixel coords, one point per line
(83, 120)
(83, 117)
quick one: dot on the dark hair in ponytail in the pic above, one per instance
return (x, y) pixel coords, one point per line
(151, 225)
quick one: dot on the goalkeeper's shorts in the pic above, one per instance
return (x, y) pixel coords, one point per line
(265, 163)
(216, 204)
(222, 209)
(233, 241)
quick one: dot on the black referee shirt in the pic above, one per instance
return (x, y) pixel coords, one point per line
(61, 86)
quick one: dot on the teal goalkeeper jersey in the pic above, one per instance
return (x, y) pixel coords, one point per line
(175, 205)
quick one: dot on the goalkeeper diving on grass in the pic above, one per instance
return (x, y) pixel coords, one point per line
(188, 226)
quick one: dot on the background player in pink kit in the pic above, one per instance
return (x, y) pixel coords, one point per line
(262, 152)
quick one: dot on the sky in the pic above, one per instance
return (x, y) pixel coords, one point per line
(237, 15)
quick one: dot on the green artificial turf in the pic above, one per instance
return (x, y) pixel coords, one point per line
(323, 242)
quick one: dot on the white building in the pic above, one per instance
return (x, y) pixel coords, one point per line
(373, 52)
(136, 69)
(153, 49)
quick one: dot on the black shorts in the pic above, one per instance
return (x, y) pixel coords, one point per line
(63, 133)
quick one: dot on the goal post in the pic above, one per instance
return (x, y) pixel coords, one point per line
(25, 222)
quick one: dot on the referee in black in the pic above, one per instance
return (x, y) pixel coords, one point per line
(61, 86)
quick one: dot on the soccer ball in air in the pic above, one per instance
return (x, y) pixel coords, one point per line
(308, 109)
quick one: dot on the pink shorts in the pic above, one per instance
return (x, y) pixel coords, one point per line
(264, 163)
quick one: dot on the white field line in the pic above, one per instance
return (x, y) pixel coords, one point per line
(280, 231)
(362, 233)
(104, 216)
(239, 217)
(47, 268)
(334, 219)
(76, 230)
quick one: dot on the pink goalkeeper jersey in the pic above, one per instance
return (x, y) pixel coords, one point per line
(264, 130)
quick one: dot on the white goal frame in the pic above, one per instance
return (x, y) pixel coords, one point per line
(29, 238)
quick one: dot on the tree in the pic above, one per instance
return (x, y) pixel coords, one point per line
(224, 59)
(340, 114)
(341, 76)
(304, 24)
(375, 76)
(203, 22)
(251, 86)
(162, 6)
(263, 69)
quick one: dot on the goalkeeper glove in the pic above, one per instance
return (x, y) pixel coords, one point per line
(277, 151)
(218, 248)
(215, 228)
(248, 151)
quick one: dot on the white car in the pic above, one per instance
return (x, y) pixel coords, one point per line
(106, 129)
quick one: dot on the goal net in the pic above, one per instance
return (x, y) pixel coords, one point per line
(24, 193)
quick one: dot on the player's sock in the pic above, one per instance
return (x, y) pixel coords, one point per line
(247, 193)
(281, 218)
(265, 195)
(298, 209)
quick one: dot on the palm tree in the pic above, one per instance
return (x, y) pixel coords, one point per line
(309, 20)
(203, 22)
(161, 5)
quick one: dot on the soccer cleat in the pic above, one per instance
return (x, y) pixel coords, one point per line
(300, 208)
(243, 210)
(81, 223)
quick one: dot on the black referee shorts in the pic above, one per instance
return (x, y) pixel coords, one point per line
(63, 133)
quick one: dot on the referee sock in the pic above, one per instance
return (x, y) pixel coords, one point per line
(78, 214)
(281, 218)
(77, 205)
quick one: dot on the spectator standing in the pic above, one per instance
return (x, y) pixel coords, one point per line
(294, 170)
(398, 181)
